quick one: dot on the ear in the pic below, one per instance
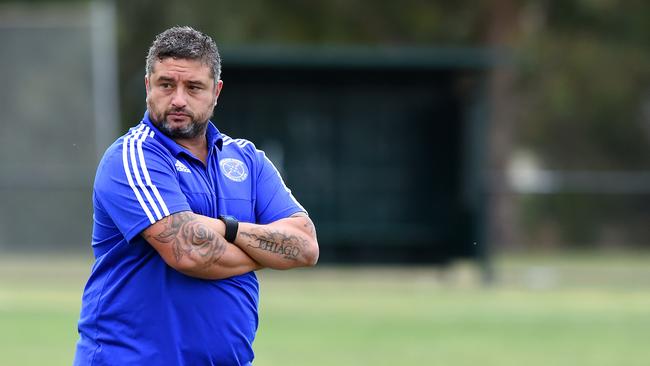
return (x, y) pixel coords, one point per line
(146, 84)
(218, 88)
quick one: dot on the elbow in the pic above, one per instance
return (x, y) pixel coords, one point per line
(308, 257)
(311, 254)
(185, 266)
(193, 269)
(189, 266)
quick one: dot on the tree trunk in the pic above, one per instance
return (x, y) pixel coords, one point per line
(500, 36)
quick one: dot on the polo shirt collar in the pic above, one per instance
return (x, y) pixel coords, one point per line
(212, 134)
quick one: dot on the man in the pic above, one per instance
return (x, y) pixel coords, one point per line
(183, 215)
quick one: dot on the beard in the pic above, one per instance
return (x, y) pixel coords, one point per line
(195, 128)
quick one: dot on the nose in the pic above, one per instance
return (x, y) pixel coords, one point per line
(178, 98)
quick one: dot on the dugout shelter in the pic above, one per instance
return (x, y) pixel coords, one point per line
(383, 146)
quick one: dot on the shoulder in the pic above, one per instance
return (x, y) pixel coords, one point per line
(237, 144)
(139, 139)
(239, 148)
(133, 149)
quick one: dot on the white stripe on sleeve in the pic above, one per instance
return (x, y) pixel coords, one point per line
(147, 178)
(134, 163)
(125, 162)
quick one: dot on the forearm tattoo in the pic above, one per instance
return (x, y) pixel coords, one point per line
(288, 246)
(190, 237)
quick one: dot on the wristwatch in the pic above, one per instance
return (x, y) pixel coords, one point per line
(232, 225)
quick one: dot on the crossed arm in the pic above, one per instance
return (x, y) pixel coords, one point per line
(194, 245)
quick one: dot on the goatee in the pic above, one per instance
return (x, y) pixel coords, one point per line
(192, 130)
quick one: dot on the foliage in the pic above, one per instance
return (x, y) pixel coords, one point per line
(586, 82)
(585, 87)
(287, 22)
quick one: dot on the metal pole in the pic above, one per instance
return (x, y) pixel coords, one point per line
(104, 69)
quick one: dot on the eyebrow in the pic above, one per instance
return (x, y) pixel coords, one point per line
(195, 82)
(166, 78)
(172, 80)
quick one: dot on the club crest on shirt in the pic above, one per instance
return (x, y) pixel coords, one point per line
(234, 169)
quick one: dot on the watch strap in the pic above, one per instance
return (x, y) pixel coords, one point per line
(232, 226)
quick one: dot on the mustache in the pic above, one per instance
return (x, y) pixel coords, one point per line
(179, 111)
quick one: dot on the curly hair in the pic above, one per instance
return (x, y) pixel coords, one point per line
(185, 43)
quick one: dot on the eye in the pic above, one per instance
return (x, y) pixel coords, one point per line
(165, 85)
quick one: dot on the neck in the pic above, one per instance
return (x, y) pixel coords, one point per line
(197, 146)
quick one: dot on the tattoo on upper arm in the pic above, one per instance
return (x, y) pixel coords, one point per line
(189, 236)
(288, 246)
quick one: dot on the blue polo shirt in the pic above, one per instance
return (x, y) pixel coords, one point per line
(137, 310)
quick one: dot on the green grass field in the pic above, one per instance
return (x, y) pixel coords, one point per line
(548, 310)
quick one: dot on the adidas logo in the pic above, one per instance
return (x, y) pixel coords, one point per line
(181, 167)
